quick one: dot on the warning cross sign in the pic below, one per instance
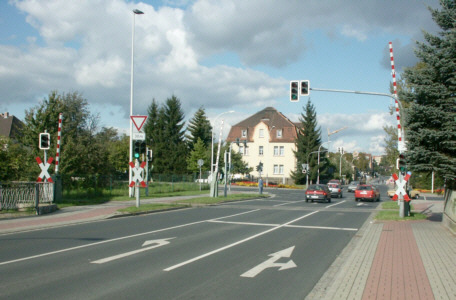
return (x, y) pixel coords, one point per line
(137, 174)
(401, 187)
(44, 169)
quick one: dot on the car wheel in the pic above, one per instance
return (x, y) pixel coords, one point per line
(340, 196)
(356, 199)
(312, 200)
(329, 200)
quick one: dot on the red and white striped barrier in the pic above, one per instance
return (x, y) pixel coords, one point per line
(398, 116)
(57, 154)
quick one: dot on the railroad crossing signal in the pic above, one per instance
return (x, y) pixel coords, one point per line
(137, 174)
(401, 187)
(44, 169)
(45, 141)
(294, 94)
(402, 163)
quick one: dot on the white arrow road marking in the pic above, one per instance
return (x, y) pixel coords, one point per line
(271, 263)
(155, 243)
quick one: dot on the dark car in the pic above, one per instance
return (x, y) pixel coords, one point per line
(367, 192)
(318, 192)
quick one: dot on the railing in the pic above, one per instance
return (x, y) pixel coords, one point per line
(25, 194)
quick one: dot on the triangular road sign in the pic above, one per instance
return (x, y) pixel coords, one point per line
(138, 121)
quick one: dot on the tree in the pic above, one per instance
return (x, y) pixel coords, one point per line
(431, 90)
(199, 128)
(309, 140)
(199, 152)
(168, 140)
(391, 140)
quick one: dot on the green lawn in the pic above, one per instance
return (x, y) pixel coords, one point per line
(390, 212)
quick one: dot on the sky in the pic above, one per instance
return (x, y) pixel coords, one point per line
(225, 55)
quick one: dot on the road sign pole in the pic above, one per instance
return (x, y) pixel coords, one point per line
(137, 186)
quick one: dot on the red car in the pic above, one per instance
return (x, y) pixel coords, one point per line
(367, 192)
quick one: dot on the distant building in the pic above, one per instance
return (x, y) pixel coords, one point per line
(267, 137)
(10, 126)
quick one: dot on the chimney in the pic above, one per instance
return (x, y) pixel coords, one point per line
(6, 115)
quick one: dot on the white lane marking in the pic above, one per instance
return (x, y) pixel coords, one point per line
(287, 226)
(236, 243)
(335, 204)
(271, 263)
(289, 203)
(155, 243)
(117, 239)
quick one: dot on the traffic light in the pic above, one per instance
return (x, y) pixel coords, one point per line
(139, 148)
(259, 168)
(149, 154)
(402, 163)
(45, 141)
(294, 95)
(305, 88)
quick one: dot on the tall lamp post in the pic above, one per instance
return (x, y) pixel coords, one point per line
(318, 165)
(135, 12)
(212, 141)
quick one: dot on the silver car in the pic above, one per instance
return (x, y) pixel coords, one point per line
(352, 186)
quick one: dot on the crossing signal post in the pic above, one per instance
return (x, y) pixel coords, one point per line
(402, 163)
(294, 94)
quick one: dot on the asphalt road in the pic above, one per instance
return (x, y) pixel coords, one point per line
(275, 248)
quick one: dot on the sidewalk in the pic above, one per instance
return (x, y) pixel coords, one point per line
(395, 260)
(75, 214)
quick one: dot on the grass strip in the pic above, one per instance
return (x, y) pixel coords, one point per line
(150, 207)
(390, 212)
(215, 200)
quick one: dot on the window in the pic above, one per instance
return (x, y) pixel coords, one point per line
(279, 150)
(278, 169)
(244, 133)
(261, 132)
(260, 151)
(279, 133)
(241, 150)
(246, 151)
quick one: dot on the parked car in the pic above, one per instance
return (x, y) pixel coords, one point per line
(335, 189)
(352, 186)
(318, 192)
(367, 192)
(414, 194)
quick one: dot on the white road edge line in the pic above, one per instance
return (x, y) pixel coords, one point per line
(236, 243)
(117, 239)
(287, 226)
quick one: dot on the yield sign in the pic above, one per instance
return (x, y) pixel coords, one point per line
(138, 121)
(401, 187)
(137, 174)
(271, 263)
(44, 169)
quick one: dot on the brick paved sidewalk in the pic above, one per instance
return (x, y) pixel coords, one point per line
(394, 260)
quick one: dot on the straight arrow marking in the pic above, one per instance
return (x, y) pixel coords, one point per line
(155, 243)
(271, 263)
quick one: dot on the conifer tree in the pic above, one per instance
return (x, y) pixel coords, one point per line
(430, 120)
(309, 140)
(199, 128)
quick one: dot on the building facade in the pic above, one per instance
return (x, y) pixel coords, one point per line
(267, 137)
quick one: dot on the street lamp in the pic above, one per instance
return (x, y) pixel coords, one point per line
(318, 169)
(212, 141)
(135, 12)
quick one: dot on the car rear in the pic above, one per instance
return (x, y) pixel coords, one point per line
(318, 193)
(365, 192)
(335, 189)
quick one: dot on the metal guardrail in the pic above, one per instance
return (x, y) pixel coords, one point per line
(25, 194)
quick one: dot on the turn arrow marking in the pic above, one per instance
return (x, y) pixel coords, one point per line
(155, 243)
(271, 263)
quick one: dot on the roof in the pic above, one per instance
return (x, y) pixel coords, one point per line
(273, 119)
(10, 126)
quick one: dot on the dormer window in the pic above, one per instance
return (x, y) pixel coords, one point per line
(244, 133)
(279, 133)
